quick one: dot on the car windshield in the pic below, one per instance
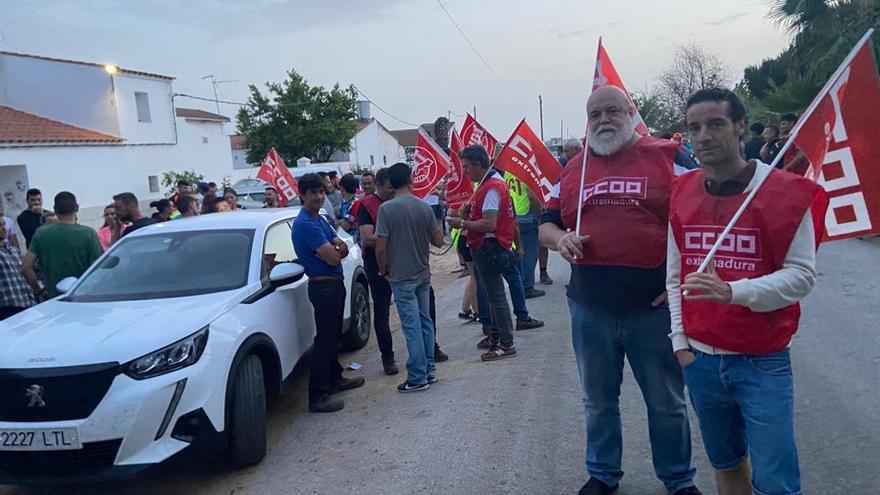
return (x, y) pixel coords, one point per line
(172, 264)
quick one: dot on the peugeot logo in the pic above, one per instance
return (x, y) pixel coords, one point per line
(35, 394)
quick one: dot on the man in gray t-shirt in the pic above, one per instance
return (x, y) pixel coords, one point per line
(404, 229)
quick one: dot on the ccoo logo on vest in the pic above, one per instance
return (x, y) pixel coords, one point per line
(616, 191)
(740, 250)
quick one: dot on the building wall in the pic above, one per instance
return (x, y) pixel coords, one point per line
(239, 160)
(76, 94)
(376, 142)
(95, 173)
(160, 129)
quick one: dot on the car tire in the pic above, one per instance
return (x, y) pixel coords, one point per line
(246, 423)
(358, 333)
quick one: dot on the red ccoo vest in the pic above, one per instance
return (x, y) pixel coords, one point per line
(757, 246)
(505, 225)
(625, 203)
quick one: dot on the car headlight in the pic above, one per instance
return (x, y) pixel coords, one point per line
(180, 354)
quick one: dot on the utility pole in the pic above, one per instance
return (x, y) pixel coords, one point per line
(541, 113)
(475, 111)
(561, 137)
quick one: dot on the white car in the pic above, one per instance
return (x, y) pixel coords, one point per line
(176, 335)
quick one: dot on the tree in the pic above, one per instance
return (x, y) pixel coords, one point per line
(692, 69)
(441, 133)
(659, 117)
(170, 178)
(823, 33)
(298, 120)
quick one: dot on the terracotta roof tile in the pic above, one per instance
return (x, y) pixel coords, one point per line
(238, 142)
(19, 127)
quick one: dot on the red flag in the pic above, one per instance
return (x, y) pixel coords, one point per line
(526, 157)
(838, 136)
(430, 164)
(275, 172)
(606, 75)
(473, 133)
(459, 187)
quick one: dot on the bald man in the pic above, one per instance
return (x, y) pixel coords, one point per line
(616, 295)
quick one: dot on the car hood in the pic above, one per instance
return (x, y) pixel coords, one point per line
(60, 333)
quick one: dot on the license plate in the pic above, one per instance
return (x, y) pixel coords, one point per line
(40, 439)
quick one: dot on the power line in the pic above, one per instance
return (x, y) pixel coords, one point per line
(382, 109)
(184, 95)
(483, 59)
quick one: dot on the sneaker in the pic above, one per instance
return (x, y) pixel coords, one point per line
(486, 343)
(325, 404)
(545, 278)
(432, 378)
(596, 487)
(528, 324)
(348, 383)
(532, 293)
(440, 356)
(499, 352)
(390, 367)
(407, 387)
(466, 315)
(688, 490)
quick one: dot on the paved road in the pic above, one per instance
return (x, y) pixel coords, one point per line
(517, 426)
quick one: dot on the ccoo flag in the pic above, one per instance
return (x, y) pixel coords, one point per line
(430, 164)
(606, 75)
(525, 156)
(459, 187)
(473, 133)
(275, 172)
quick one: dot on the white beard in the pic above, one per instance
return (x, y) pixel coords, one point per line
(604, 145)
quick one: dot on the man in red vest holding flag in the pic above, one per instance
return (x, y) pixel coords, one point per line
(616, 292)
(732, 326)
(491, 226)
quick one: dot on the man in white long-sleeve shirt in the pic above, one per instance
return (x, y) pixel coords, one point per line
(732, 326)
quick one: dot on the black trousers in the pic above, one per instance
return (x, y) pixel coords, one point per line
(433, 311)
(380, 291)
(328, 299)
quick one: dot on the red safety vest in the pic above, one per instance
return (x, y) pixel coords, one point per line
(756, 246)
(504, 226)
(371, 202)
(625, 203)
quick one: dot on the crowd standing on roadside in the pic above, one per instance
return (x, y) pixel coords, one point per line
(634, 292)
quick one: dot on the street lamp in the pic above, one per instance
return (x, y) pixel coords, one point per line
(111, 69)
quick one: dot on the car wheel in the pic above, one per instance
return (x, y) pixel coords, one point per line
(246, 423)
(358, 333)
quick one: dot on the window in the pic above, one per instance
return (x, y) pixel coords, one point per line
(278, 247)
(204, 139)
(143, 106)
(154, 183)
(161, 266)
(384, 159)
(372, 160)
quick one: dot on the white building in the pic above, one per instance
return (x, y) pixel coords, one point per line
(96, 131)
(373, 146)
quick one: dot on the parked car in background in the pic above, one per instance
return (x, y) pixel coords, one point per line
(174, 337)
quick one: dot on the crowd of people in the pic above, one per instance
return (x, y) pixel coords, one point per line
(634, 290)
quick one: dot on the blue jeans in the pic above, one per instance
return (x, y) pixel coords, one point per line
(745, 405)
(528, 236)
(514, 280)
(413, 301)
(601, 340)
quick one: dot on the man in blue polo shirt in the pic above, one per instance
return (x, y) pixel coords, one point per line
(321, 252)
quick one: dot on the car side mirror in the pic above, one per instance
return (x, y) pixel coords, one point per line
(286, 273)
(66, 284)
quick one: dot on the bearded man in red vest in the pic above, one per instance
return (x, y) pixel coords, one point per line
(732, 326)
(616, 294)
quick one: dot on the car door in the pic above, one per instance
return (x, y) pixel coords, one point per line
(286, 312)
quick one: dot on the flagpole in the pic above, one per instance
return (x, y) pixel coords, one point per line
(577, 227)
(791, 137)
